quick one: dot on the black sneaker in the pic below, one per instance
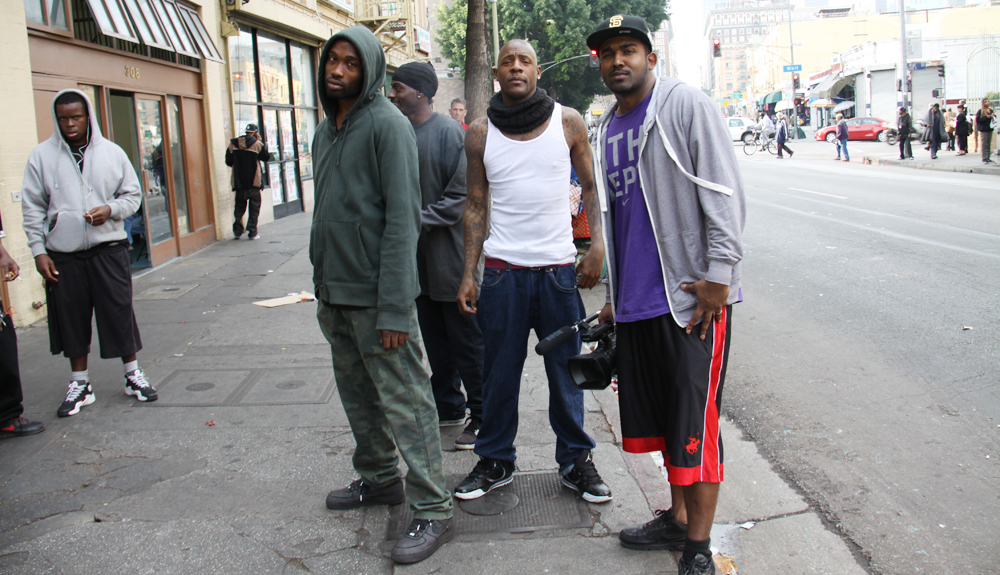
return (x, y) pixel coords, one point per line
(486, 476)
(253, 236)
(80, 393)
(19, 427)
(700, 565)
(362, 494)
(467, 439)
(422, 539)
(663, 532)
(585, 479)
(136, 384)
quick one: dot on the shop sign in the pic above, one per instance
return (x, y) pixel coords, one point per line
(423, 40)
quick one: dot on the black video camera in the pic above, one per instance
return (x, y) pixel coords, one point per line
(589, 370)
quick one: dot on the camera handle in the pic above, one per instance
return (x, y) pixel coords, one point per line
(562, 335)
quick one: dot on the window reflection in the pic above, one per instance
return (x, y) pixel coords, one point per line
(154, 171)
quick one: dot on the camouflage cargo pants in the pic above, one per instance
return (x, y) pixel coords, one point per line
(389, 404)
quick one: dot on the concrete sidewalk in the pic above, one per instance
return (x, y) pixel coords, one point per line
(228, 471)
(971, 163)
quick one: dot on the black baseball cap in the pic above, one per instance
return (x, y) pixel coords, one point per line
(620, 25)
(251, 127)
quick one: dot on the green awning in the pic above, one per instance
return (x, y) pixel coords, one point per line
(772, 98)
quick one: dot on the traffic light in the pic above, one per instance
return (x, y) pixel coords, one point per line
(595, 62)
(716, 48)
(795, 81)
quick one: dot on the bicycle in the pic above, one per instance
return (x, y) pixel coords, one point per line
(759, 142)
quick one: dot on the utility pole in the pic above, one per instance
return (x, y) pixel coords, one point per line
(903, 72)
(791, 50)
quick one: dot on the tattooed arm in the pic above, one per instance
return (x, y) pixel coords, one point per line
(476, 212)
(579, 148)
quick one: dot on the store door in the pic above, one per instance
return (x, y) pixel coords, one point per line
(282, 168)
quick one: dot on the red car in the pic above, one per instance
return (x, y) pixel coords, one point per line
(857, 129)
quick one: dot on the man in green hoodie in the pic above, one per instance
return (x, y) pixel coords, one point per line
(363, 247)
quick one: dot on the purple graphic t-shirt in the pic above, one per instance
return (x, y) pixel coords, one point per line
(641, 294)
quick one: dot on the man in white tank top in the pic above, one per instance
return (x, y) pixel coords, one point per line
(520, 159)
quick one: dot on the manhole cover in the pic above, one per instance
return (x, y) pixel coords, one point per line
(171, 289)
(165, 292)
(545, 505)
(493, 503)
(291, 384)
(275, 242)
(203, 386)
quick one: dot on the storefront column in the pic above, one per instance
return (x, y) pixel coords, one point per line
(19, 137)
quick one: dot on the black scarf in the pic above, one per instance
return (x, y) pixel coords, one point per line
(523, 116)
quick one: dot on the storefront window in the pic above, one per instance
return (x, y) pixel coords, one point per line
(303, 76)
(305, 127)
(272, 54)
(177, 159)
(241, 64)
(154, 171)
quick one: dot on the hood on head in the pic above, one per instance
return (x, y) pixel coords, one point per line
(95, 126)
(372, 63)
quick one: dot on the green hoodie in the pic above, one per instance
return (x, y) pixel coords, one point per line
(363, 242)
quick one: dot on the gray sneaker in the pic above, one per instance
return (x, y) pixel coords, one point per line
(421, 539)
(467, 439)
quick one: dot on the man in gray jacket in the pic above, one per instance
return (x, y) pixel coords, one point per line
(77, 189)
(453, 341)
(673, 208)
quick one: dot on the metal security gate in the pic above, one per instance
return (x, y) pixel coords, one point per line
(983, 71)
(924, 82)
(883, 87)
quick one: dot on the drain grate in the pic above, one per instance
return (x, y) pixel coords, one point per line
(543, 505)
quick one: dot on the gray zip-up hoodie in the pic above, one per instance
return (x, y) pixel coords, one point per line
(55, 195)
(693, 189)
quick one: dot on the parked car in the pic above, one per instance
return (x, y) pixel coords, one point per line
(741, 128)
(857, 129)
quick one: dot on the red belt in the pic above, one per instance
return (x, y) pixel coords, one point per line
(499, 264)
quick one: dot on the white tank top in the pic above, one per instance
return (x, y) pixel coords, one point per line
(530, 222)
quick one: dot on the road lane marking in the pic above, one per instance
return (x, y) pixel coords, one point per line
(891, 234)
(818, 193)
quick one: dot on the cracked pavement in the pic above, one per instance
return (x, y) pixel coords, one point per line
(134, 488)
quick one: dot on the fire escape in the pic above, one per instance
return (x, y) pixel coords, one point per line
(393, 18)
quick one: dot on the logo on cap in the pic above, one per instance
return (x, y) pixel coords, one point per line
(615, 21)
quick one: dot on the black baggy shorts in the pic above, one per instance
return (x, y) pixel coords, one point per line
(670, 393)
(94, 282)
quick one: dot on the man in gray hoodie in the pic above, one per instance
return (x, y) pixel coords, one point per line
(672, 200)
(78, 188)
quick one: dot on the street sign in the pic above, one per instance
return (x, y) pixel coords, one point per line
(737, 95)
(793, 68)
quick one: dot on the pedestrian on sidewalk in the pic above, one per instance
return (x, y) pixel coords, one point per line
(962, 129)
(453, 340)
(244, 156)
(78, 188)
(783, 136)
(984, 126)
(520, 157)
(905, 126)
(949, 127)
(11, 396)
(671, 299)
(363, 247)
(842, 136)
(938, 135)
(457, 111)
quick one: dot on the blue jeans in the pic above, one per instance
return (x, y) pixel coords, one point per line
(511, 303)
(843, 146)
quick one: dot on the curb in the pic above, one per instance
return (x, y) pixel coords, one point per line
(993, 171)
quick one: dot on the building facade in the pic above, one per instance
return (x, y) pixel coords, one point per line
(172, 81)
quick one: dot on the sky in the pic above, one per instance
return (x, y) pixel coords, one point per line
(688, 31)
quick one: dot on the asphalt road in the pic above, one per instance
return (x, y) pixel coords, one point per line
(865, 356)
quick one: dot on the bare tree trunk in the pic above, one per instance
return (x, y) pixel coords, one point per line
(478, 71)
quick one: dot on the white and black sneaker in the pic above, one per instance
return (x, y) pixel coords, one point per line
(80, 393)
(136, 384)
(486, 476)
(585, 480)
